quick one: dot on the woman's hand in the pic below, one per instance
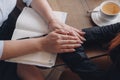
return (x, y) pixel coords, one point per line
(55, 24)
(59, 41)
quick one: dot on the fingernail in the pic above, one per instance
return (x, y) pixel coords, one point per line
(84, 39)
(81, 42)
(78, 45)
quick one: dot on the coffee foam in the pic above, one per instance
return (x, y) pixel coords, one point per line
(111, 8)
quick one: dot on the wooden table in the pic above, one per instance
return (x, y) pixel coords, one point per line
(79, 18)
(77, 13)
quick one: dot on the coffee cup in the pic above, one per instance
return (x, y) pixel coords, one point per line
(109, 10)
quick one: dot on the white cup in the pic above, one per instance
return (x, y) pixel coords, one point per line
(109, 10)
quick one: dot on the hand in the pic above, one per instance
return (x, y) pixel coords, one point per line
(55, 24)
(58, 42)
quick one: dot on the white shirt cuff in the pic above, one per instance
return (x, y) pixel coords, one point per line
(28, 2)
(1, 48)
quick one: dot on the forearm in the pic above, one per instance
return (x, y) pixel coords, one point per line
(19, 47)
(44, 9)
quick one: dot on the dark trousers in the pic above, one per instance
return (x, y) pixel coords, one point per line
(8, 71)
(79, 63)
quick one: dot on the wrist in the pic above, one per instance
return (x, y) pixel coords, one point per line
(34, 44)
(52, 21)
(39, 44)
(15, 48)
(54, 24)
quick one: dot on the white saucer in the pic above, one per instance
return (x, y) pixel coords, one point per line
(100, 22)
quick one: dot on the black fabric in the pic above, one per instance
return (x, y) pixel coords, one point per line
(7, 28)
(101, 34)
(79, 63)
(115, 56)
(7, 69)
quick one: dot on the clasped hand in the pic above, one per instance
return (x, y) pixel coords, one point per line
(63, 38)
(56, 24)
(59, 41)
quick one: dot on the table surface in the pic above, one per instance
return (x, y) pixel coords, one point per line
(77, 13)
(79, 18)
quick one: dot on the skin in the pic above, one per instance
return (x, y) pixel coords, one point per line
(58, 39)
(60, 32)
(44, 9)
(63, 38)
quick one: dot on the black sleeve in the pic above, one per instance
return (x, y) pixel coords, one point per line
(101, 34)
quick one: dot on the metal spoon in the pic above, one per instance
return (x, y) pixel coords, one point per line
(91, 11)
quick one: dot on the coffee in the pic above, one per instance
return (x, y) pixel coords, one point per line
(111, 8)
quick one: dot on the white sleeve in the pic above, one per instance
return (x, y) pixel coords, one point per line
(1, 17)
(6, 8)
(28, 2)
(1, 48)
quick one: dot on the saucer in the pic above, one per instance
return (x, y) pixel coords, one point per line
(100, 22)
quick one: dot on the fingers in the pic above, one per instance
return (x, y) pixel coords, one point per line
(66, 50)
(79, 37)
(80, 34)
(62, 42)
(61, 31)
(70, 46)
(65, 35)
(68, 37)
(82, 38)
(66, 29)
